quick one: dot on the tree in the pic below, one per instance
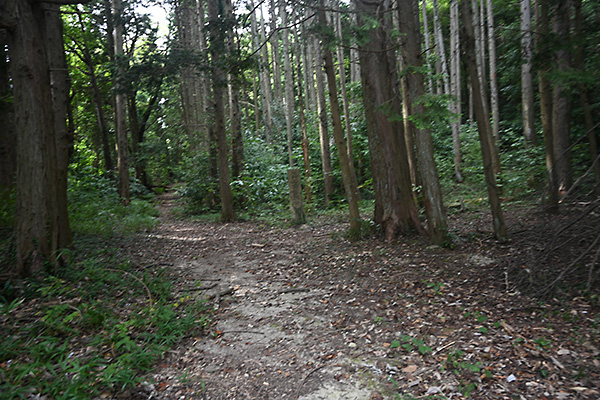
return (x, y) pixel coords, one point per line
(395, 207)
(484, 127)
(121, 103)
(217, 32)
(527, 98)
(41, 224)
(455, 88)
(414, 87)
(349, 180)
(8, 154)
(545, 94)
(561, 101)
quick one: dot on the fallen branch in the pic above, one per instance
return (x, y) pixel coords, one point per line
(305, 378)
(293, 290)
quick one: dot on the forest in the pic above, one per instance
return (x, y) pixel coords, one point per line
(307, 199)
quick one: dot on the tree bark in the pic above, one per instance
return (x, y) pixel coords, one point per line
(237, 142)
(59, 85)
(265, 81)
(583, 95)
(527, 99)
(305, 144)
(543, 52)
(455, 88)
(8, 138)
(121, 105)
(493, 76)
(38, 220)
(219, 81)
(350, 186)
(323, 126)
(395, 208)
(483, 123)
(561, 104)
(289, 86)
(415, 89)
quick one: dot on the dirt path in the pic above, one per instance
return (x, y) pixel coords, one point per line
(303, 314)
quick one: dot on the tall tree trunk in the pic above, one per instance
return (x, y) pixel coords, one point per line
(415, 87)
(121, 105)
(350, 186)
(8, 135)
(311, 95)
(275, 56)
(440, 48)
(305, 143)
(59, 84)
(427, 44)
(323, 126)
(344, 95)
(483, 123)
(455, 88)
(219, 81)
(543, 52)
(237, 142)
(561, 103)
(289, 86)
(583, 96)
(38, 212)
(265, 82)
(527, 98)
(395, 207)
(493, 77)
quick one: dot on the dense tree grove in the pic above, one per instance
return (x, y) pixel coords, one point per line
(403, 105)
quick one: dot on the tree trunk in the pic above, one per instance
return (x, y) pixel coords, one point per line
(323, 126)
(583, 96)
(289, 86)
(483, 123)
(561, 104)
(8, 138)
(219, 81)
(415, 87)
(395, 208)
(38, 220)
(527, 98)
(305, 143)
(493, 76)
(121, 105)
(275, 56)
(430, 87)
(266, 86)
(344, 95)
(350, 186)
(237, 142)
(543, 52)
(59, 84)
(455, 88)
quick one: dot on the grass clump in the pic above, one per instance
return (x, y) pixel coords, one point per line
(90, 329)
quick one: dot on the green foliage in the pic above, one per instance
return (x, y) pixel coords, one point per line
(7, 206)
(94, 206)
(91, 329)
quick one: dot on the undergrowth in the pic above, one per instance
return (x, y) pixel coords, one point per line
(92, 329)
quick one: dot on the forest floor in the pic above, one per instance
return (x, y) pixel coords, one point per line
(303, 313)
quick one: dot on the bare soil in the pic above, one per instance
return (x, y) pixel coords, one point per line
(303, 313)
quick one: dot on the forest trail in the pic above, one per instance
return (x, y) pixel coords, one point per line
(274, 334)
(301, 313)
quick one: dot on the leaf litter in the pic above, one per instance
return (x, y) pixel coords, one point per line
(302, 313)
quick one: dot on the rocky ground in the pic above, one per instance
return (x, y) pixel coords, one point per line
(302, 313)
